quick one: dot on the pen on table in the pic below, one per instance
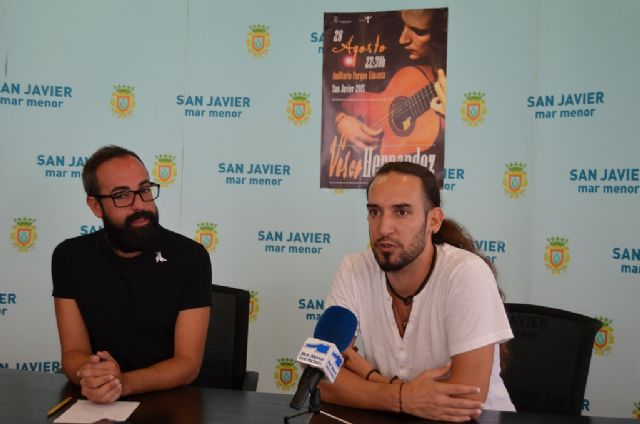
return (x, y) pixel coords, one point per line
(59, 405)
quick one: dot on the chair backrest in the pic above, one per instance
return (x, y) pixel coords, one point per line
(224, 364)
(548, 360)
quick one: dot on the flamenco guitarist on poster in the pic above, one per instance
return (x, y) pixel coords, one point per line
(384, 93)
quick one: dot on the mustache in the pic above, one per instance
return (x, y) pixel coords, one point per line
(387, 240)
(140, 214)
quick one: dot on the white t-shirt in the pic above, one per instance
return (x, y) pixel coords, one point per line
(457, 311)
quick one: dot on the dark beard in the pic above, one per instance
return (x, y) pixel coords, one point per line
(405, 259)
(406, 256)
(128, 239)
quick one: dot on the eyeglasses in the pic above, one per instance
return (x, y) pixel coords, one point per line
(126, 198)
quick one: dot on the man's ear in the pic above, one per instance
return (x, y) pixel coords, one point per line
(434, 218)
(94, 205)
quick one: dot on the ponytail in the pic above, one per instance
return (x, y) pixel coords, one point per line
(456, 235)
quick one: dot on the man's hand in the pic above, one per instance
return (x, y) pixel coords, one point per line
(439, 103)
(429, 398)
(101, 379)
(356, 363)
(356, 132)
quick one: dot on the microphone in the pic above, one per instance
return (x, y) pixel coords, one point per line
(322, 353)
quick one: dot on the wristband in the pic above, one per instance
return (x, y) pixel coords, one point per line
(371, 372)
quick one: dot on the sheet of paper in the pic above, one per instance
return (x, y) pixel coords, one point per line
(84, 411)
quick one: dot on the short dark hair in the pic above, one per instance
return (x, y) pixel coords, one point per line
(430, 186)
(103, 154)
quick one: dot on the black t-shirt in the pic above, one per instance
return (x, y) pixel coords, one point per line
(130, 306)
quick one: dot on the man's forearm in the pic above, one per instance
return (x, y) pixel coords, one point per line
(423, 396)
(72, 361)
(354, 391)
(183, 367)
(174, 372)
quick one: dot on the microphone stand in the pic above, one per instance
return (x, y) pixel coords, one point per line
(315, 406)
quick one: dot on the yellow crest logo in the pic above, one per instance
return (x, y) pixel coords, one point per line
(299, 108)
(286, 374)
(23, 234)
(473, 109)
(258, 40)
(514, 180)
(123, 101)
(254, 306)
(604, 337)
(636, 411)
(207, 235)
(165, 170)
(556, 255)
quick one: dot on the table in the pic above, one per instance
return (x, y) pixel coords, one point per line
(25, 397)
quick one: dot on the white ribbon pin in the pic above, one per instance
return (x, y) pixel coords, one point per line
(159, 257)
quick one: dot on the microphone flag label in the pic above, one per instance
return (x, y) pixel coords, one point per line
(322, 355)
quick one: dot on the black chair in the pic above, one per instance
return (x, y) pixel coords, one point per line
(224, 364)
(547, 364)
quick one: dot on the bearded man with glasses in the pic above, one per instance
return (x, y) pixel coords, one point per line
(132, 301)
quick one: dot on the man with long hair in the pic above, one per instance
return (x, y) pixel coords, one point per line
(430, 316)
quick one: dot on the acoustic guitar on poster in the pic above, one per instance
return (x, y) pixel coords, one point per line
(402, 111)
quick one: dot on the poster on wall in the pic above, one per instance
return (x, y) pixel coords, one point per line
(383, 93)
